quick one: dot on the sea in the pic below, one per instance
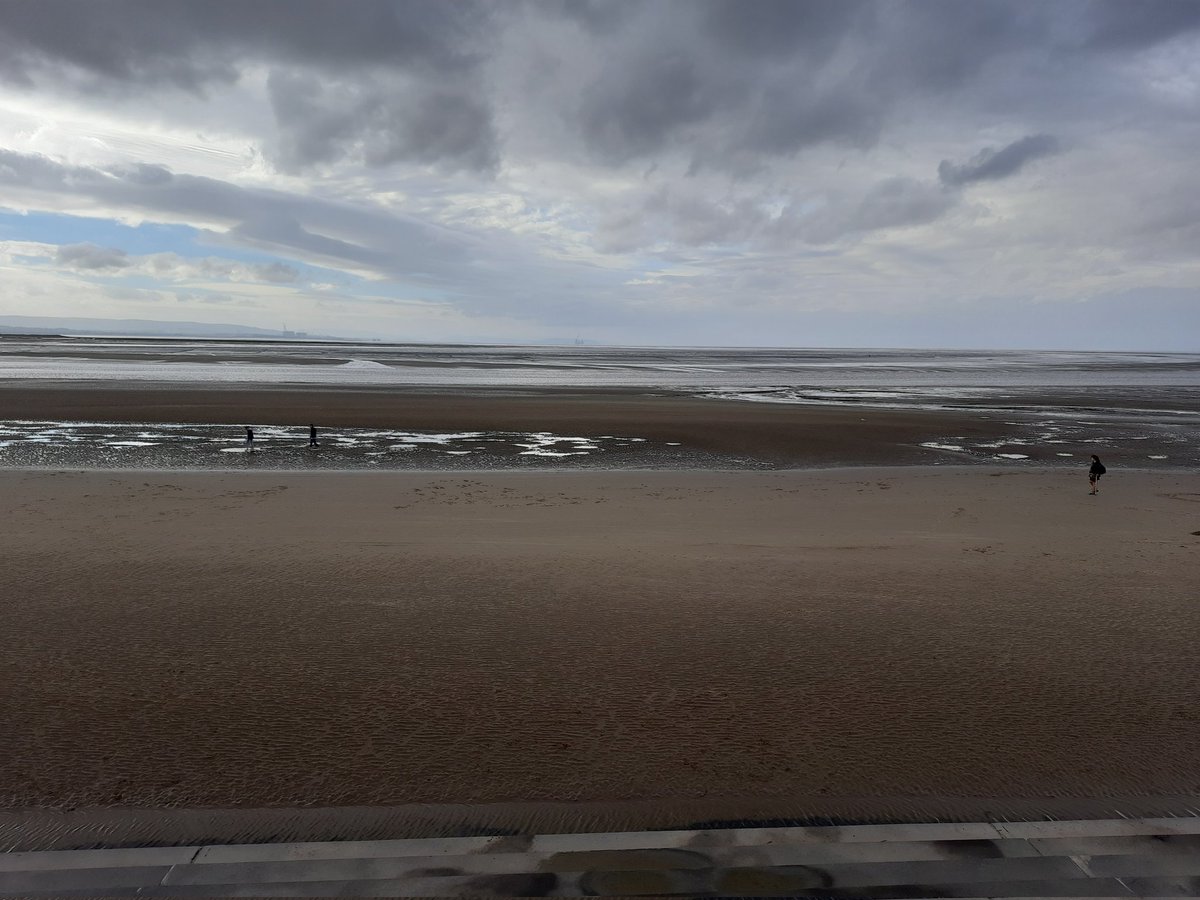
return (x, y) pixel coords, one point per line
(1139, 401)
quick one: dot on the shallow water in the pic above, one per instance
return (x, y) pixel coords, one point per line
(1147, 403)
(787, 375)
(160, 445)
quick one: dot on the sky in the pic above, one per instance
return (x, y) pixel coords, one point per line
(672, 172)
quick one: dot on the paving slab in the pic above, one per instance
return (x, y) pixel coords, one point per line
(1118, 845)
(81, 879)
(1141, 866)
(1098, 888)
(646, 840)
(361, 849)
(1098, 828)
(48, 860)
(296, 871)
(1163, 887)
(949, 872)
(833, 834)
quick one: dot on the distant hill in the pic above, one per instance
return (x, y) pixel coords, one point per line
(136, 328)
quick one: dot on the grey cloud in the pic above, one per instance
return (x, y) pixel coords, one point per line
(340, 234)
(600, 16)
(142, 173)
(207, 297)
(186, 43)
(900, 202)
(277, 273)
(723, 81)
(724, 84)
(941, 46)
(280, 228)
(892, 203)
(90, 256)
(779, 27)
(636, 112)
(1132, 24)
(321, 121)
(784, 119)
(175, 267)
(731, 83)
(137, 45)
(684, 219)
(680, 217)
(990, 164)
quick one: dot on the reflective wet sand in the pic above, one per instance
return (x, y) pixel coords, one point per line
(766, 640)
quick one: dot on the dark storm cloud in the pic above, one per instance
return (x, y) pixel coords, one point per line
(188, 43)
(990, 164)
(776, 28)
(599, 16)
(637, 112)
(1140, 23)
(942, 46)
(732, 83)
(378, 124)
(727, 84)
(723, 79)
(338, 105)
(89, 256)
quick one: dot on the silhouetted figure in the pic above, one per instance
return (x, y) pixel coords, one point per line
(1095, 472)
(312, 435)
(249, 439)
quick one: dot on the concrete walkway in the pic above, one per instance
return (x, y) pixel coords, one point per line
(1121, 857)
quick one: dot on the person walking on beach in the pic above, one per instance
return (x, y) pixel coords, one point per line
(249, 439)
(1095, 472)
(312, 435)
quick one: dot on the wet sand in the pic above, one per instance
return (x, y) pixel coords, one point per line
(775, 434)
(771, 643)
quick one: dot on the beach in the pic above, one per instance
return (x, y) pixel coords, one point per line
(771, 434)
(770, 640)
(89, 425)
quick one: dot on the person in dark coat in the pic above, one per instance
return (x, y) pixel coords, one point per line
(249, 439)
(312, 435)
(1095, 472)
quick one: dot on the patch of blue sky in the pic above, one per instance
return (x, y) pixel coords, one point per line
(56, 228)
(143, 239)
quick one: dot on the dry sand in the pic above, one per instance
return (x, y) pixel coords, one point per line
(788, 639)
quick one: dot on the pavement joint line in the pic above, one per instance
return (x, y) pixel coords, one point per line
(1082, 862)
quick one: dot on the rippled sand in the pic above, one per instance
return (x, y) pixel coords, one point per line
(914, 636)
